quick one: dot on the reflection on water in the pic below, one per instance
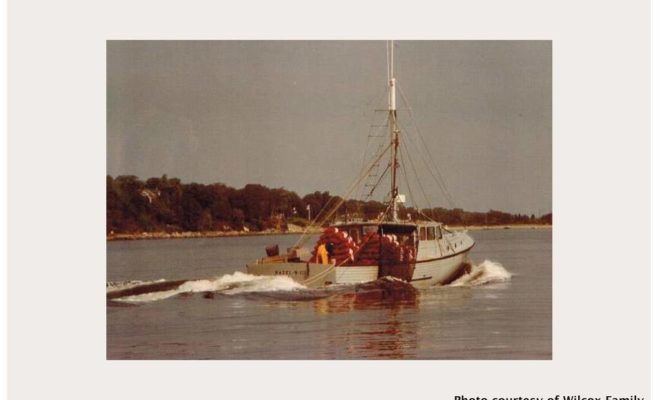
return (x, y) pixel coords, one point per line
(234, 317)
(391, 337)
(393, 333)
(380, 294)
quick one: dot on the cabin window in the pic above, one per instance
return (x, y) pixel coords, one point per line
(430, 235)
(422, 233)
(369, 229)
(438, 232)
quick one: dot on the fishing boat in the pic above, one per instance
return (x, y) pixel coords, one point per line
(421, 252)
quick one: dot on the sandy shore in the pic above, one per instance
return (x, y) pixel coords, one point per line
(219, 234)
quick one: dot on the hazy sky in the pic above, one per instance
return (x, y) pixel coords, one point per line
(298, 114)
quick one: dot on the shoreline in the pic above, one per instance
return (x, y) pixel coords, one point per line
(223, 234)
(198, 235)
(496, 227)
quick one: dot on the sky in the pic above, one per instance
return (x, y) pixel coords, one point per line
(304, 115)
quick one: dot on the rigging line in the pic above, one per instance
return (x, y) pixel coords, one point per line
(303, 237)
(322, 211)
(372, 129)
(441, 182)
(435, 173)
(442, 188)
(412, 163)
(378, 149)
(380, 95)
(371, 181)
(407, 154)
(378, 181)
(410, 191)
(446, 193)
(407, 181)
(352, 187)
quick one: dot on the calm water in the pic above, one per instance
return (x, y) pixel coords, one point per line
(225, 315)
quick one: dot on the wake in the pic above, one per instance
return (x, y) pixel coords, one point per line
(285, 288)
(482, 274)
(229, 284)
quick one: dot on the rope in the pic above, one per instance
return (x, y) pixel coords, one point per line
(378, 181)
(407, 181)
(419, 183)
(435, 170)
(381, 143)
(380, 95)
(439, 179)
(304, 237)
(410, 191)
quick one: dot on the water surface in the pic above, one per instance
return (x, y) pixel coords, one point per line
(221, 314)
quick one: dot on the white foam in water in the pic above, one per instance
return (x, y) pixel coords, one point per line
(486, 272)
(239, 282)
(229, 284)
(121, 285)
(147, 297)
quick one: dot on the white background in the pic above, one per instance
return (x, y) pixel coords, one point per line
(601, 198)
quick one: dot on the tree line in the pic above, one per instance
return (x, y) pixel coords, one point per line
(167, 205)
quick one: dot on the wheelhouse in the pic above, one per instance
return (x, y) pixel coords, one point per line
(409, 234)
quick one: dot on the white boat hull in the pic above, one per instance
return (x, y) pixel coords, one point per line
(428, 272)
(352, 275)
(438, 271)
(316, 275)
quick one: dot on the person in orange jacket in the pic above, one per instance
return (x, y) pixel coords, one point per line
(322, 254)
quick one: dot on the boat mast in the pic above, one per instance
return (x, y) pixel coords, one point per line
(394, 132)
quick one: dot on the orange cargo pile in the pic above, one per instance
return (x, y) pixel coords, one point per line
(343, 246)
(370, 251)
(373, 249)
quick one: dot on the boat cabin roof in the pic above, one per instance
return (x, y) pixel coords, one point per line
(390, 226)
